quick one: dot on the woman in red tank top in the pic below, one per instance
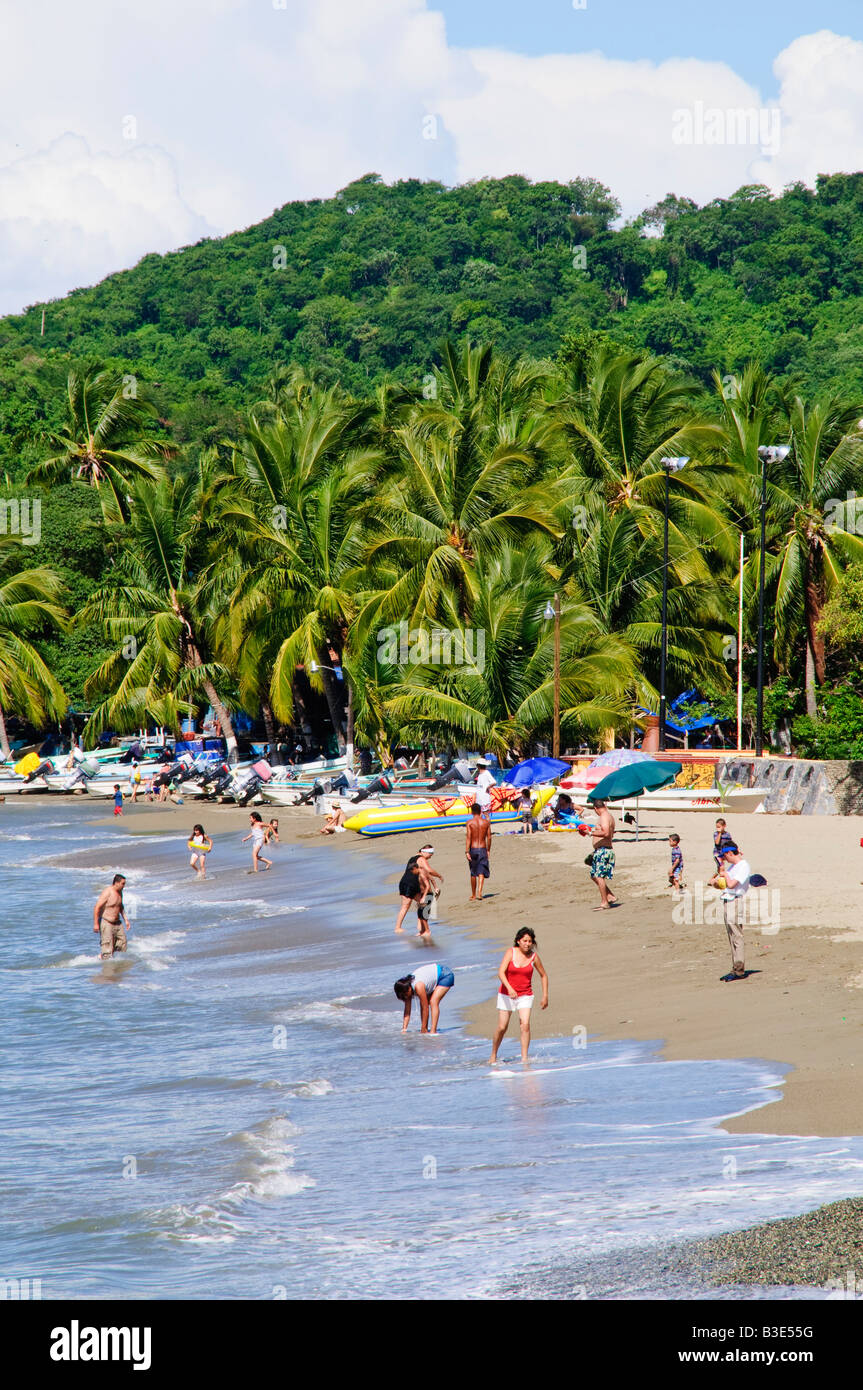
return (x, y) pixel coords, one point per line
(516, 991)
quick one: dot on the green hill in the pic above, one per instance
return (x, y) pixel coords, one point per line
(363, 286)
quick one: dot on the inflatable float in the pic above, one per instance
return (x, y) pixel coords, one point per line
(442, 812)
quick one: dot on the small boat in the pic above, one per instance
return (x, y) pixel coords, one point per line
(733, 800)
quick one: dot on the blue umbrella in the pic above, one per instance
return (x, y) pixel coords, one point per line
(534, 771)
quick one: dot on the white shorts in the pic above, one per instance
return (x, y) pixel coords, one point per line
(509, 1006)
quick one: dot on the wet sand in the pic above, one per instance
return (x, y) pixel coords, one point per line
(651, 968)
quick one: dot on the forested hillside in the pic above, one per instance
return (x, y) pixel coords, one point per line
(362, 287)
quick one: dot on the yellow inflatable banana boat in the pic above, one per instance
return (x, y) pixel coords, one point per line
(441, 812)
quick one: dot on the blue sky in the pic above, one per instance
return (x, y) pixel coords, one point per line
(746, 34)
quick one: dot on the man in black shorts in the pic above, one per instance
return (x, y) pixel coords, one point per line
(477, 846)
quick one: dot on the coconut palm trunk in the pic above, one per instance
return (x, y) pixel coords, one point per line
(332, 699)
(4, 737)
(815, 668)
(350, 728)
(224, 720)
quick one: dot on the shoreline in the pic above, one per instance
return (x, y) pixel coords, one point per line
(607, 958)
(637, 973)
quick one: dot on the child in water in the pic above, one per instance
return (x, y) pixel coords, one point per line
(200, 844)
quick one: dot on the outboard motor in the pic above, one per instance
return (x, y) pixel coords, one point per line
(164, 779)
(457, 772)
(39, 771)
(217, 782)
(381, 786)
(346, 781)
(243, 789)
(319, 788)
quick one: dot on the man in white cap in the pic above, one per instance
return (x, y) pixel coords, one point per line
(484, 781)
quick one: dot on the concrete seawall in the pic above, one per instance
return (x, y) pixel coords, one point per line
(797, 787)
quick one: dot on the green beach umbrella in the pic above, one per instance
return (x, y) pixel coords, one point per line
(634, 780)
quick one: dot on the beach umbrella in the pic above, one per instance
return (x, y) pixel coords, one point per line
(600, 767)
(535, 770)
(619, 757)
(634, 780)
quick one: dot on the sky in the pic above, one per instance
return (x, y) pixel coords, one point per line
(129, 128)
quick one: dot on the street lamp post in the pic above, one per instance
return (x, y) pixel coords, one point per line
(669, 465)
(768, 453)
(554, 612)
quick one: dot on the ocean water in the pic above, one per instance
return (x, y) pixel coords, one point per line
(231, 1110)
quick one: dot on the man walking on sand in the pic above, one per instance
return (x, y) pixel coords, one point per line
(602, 859)
(477, 846)
(737, 873)
(106, 917)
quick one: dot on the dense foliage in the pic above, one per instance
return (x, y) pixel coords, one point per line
(361, 288)
(267, 454)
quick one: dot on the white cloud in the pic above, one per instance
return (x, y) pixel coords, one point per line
(69, 214)
(241, 107)
(822, 109)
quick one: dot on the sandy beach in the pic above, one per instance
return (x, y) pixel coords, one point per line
(651, 969)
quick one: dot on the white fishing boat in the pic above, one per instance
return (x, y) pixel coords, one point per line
(731, 800)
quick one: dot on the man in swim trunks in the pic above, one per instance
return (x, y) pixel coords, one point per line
(602, 861)
(106, 917)
(477, 846)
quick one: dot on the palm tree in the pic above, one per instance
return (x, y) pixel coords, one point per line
(502, 694)
(619, 414)
(472, 476)
(617, 569)
(302, 475)
(816, 522)
(813, 514)
(156, 607)
(103, 440)
(28, 601)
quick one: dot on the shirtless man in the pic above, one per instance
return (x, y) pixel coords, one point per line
(477, 846)
(602, 863)
(106, 917)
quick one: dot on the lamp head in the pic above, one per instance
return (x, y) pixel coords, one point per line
(549, 611)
